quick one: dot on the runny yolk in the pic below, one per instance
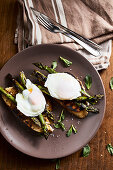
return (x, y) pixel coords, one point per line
(30, 90)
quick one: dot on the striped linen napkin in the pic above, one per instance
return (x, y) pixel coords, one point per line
(91, 19)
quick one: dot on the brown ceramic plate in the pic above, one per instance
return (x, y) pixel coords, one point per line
(57, 145)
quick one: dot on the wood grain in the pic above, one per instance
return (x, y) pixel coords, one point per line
(12, 159)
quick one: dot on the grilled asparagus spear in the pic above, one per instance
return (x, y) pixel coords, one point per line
(92, 99)
(9, 96)
(23, 78)
(42, 67)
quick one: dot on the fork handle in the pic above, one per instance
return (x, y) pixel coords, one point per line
(84, 43)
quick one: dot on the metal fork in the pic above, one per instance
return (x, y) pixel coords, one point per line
(55, 27)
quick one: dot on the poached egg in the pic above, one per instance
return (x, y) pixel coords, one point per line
(31, 102)
(63, 86)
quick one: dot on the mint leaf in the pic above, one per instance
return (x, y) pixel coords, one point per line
(62, 116)
(57, 126)
(111, 83)
(88, 81)
(110, 149)
(62, 125)
(71, 129)
(69, 132)
(74, 129)
(86, 151)
(57, 164)
(54, 64)
(59, 123)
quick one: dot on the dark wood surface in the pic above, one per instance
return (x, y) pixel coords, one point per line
(12, 159)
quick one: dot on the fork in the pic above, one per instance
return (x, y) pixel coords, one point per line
(55, 27)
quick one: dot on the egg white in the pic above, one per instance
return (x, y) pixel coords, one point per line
(31, 102)
(63, 86)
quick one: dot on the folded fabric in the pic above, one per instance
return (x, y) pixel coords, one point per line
(91, 19)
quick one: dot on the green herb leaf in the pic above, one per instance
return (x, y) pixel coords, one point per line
(111, 83)
(69, 132)
(86, 151)
(59, 123)
(74, 129)
(62, 125)
(66, 62)
(110, 149)
(54, 64)
(71, 129)
(88, 81)
(62, 116)
(57, 164)
(57, 126)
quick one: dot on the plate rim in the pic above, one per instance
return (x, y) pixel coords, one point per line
(89, 139)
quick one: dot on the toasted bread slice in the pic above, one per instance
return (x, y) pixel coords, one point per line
(73, 109)
(27, 120)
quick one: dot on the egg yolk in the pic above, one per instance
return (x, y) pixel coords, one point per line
(30, 90)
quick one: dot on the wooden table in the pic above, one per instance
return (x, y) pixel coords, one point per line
(12, 159)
